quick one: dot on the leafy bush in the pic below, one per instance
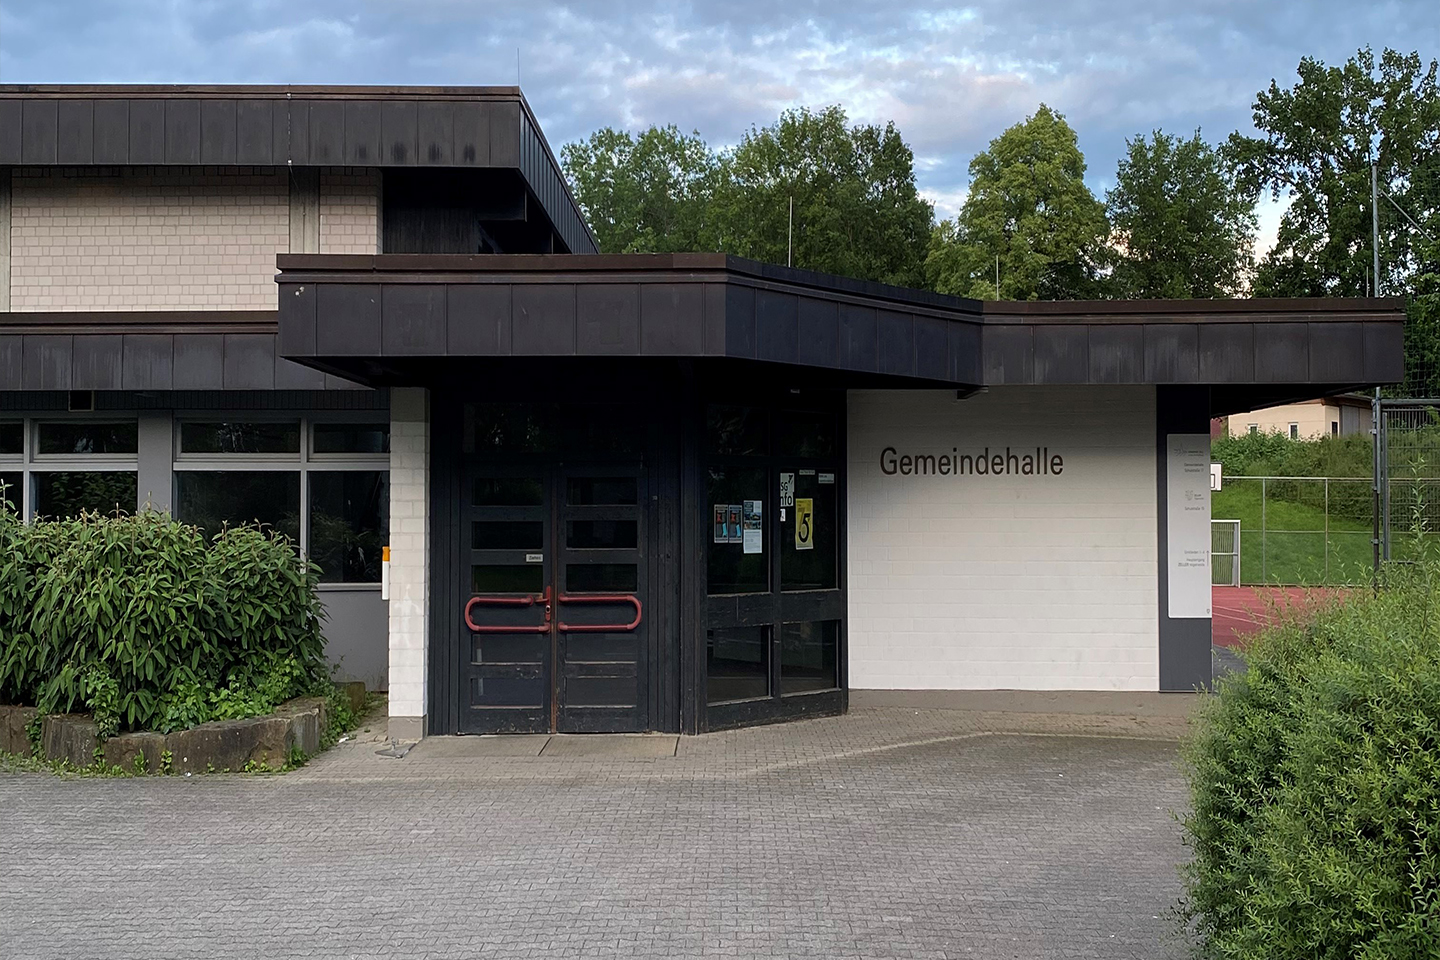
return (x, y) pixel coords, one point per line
(1315, 785)
(147, 624)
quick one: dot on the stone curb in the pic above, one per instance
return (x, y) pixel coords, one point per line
(232, 745)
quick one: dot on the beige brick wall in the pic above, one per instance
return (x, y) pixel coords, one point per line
(349, 210)
(147, 238)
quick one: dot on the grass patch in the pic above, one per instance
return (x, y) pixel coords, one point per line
(1295, 547)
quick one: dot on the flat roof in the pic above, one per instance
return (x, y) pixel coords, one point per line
(353, 314)
(46, 125)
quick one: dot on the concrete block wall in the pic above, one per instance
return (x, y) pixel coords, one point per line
(145, 238)
(349, 210)
(409, 559)
(1043, 582)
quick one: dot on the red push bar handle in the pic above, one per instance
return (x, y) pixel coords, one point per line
(601, 627)
(509, 602)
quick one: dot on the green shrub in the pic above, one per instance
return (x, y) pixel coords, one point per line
(1315, 785)
(142, 621)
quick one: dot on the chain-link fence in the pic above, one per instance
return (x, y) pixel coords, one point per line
(1408, 468)
(1308, 531)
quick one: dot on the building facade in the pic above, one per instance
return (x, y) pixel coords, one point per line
(621, 493)
(1307, 420)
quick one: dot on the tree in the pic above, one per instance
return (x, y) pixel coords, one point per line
(1182, 224)
(1029, 206)
(857, 212)
(1318, 140)
(644, 194)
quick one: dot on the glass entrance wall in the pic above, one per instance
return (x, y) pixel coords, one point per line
(689, 536)
(774, 601)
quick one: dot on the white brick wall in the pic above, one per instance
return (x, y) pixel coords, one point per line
(349, 210)
(409, 558)
(147, 238)
(976, 582)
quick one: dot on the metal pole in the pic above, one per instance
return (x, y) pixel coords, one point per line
(1263, 534)
(790, 236)
(1375, 489)
(1375, 226)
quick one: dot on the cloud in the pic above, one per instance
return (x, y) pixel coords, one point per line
(951, 76)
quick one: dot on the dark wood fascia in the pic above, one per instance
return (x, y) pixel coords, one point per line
(721, 268)
(155, 321)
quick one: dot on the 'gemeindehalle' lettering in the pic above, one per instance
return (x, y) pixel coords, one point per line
(1039, 462)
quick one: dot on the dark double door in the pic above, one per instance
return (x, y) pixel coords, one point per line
(553, 633)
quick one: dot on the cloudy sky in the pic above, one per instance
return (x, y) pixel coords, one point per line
(950, 76)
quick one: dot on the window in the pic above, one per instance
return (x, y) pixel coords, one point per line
(326, 485)
(737, 664)
(735, 565)
(350, 438)
(809, 541)
(1334, 428)
(1254, 428)
(77, 438)
(61, 494)
(213, 500)
(231, 437)
(76, 466)
(349, 523)
(1294, 431)
(808, 656)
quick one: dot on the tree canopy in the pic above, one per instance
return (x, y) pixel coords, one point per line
(1317, 142)
(649, 193)
(856, 209)
(1029, 206)
(1182, 224)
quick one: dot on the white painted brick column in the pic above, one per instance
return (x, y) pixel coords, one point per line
(409, 560)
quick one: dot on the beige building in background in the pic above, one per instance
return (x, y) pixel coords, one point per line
(1308, 420)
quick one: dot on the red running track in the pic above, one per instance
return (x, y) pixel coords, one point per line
(1237, 612)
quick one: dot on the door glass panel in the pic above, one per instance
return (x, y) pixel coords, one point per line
(804, 433)
(597, 428)
(507, 691)
(601, 578)
(731, 569)
(88, 438)
(605, 491)
(507, 535)
(736, 431)
(507, 492)
(601, 534)
(809, 541)
(808, 655)
(507, 578)
(737, 664)
(600, 691)
(65, 494)
(508, 647)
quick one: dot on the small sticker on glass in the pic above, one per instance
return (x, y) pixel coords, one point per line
(827, 478)
(534, 558)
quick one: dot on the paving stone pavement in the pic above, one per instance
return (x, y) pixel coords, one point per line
(885, 833)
